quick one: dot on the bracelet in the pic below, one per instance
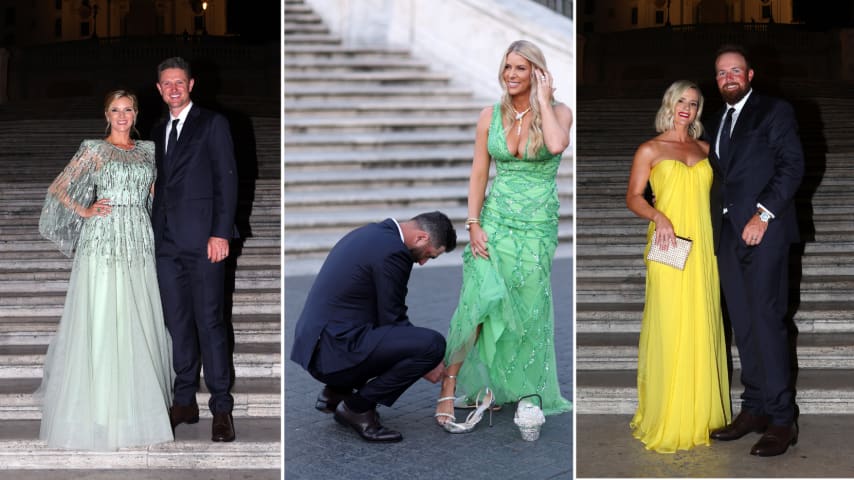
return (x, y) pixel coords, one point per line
(469, 221)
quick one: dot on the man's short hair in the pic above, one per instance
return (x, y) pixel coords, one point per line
(439, 227)
(174, 62)
(733, 48)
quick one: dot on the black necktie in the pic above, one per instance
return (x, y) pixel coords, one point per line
(723, 142)
(173, 137)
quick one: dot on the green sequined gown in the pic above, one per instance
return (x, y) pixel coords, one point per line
(509, 295)
(108, 372)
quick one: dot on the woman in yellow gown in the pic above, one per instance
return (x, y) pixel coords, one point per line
(683, 384)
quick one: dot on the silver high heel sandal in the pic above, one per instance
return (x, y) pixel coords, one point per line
(474, 417)
(445, 399)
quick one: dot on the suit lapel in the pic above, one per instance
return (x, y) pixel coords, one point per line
(187, 131)
(746, 122)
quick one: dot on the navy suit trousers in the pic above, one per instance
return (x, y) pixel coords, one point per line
(405, 354)
(754, 281)
(192, 289)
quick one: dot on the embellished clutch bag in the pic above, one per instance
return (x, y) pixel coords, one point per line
(673, 256)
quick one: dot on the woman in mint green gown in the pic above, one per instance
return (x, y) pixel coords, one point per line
(501, 337)
(108, 373)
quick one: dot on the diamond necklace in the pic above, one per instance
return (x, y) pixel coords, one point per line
(519, 119)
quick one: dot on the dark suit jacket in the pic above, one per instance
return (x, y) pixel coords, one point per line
(766, 166)
(359, 293)
(196, 187)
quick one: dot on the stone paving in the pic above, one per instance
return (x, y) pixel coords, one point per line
(317, 447)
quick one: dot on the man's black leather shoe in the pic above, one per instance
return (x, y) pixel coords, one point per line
(179, 414)
(329, 399)
(366, 424)
(776, 440)
(743, 424)
(222, 429)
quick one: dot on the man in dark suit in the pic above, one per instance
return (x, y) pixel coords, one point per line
(195, 198)
(354, 334)
(758, 164)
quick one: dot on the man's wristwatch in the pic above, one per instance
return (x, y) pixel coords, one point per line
(764, 216)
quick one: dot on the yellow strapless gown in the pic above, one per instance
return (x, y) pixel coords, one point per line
(683, 385)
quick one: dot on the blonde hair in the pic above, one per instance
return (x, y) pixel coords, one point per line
(115, 95)
(533, 54)
(664, 117)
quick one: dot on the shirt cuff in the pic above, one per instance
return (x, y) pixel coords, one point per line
(769, 212)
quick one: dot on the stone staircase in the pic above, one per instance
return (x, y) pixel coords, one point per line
(371, 133)
(33, 281)
(611, 274)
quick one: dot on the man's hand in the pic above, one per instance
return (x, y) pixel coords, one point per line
(217, 249)
(754, 231)
(433, 376)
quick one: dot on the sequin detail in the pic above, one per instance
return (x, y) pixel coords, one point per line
(509, 295)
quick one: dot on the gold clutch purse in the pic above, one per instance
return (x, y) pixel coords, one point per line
(673, 256)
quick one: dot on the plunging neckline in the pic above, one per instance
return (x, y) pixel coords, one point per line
(506, 145)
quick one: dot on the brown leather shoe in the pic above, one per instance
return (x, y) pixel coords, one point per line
(366, 424)
(329, 399)
(179, 414)
(743, 424)
(222, 429)
(776, 440)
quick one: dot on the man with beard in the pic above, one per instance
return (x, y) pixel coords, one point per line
(758, 164)
(354, 334)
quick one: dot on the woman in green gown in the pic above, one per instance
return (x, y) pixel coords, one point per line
(108, 374)
(500, 344)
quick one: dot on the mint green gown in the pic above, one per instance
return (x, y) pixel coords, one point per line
(108, 372)
(509, 295)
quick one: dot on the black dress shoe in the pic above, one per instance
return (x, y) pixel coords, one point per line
(179, 414)
(366, 424)
(743, 424)
(776, 440)
(329, 399)
(222, 429)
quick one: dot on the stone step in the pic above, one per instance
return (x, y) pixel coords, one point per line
(619, 351)
(362, 124)
(254, 397)
(615, 391)
(323, 50)
(312, 39)
(250, 360)
(319, 161)
(625, 317)
(825, 288)
(385, 107)
(302, 28)
(248, 329)
(438, 195)
(257, 448)
(363, 91)
(632, 265)
(301, 264)
(342, 218)
(384, 177)
(378, 141)
(379, 78)
(53, 293)
(353, 64)
(318, 240)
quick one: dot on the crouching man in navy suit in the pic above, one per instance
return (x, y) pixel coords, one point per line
(354, 334)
